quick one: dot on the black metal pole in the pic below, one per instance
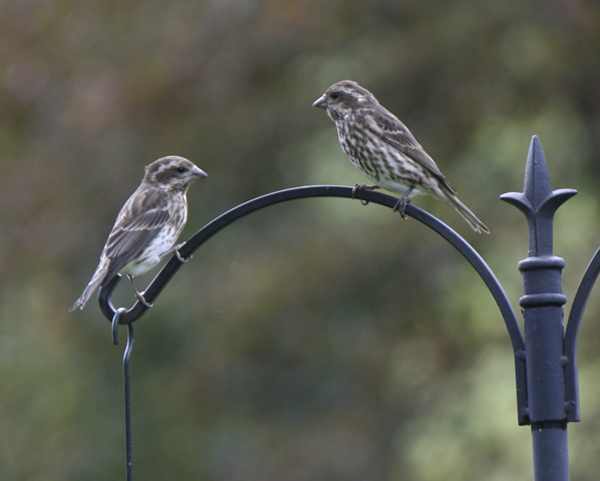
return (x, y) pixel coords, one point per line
(542, 303)
(550, 452)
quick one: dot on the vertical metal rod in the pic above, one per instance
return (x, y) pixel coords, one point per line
(550, 452)
(127, 389)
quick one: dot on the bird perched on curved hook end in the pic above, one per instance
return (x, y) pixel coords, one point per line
(147, 226)
(382, 148)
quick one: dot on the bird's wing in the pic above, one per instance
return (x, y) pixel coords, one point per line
(139, 221)
(396, 134)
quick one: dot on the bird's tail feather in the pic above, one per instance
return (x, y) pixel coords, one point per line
(97, 279)
(466, 214)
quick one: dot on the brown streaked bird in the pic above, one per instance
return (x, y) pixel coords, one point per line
(382, 148)
(147, 226)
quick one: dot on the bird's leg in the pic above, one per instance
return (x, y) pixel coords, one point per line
(175, 250)
(403, 202)
(139, 295)
(359, 186)
(177, 254)
(179, 257)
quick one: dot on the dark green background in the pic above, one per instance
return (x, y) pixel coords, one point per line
(317, 340)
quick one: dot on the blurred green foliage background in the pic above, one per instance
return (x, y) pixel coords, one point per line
(317, 340)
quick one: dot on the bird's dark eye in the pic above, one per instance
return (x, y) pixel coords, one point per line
(181, 170)
(334, 95)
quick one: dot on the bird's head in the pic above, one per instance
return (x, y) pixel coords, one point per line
(343, 98)
(173, 173)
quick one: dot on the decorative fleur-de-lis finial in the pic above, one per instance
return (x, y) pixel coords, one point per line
(538, 201)
(542, 298)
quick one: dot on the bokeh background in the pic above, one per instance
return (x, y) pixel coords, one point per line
(317, 340)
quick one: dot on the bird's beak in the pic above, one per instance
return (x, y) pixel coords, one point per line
(321, 102)
(199, 173)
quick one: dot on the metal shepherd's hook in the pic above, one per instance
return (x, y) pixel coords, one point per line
(545, 358)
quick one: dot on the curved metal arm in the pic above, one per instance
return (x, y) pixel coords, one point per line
(572, 331)
(432, 222)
